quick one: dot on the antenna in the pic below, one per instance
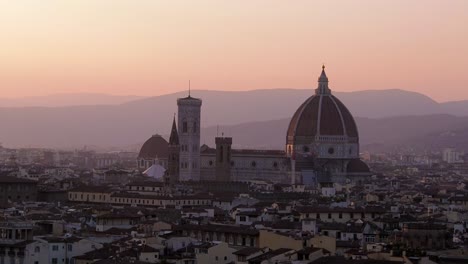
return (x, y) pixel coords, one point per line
(217, 130)
(189, 88)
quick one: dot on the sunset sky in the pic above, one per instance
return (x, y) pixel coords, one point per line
(149, 47)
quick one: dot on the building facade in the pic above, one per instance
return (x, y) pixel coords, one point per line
(322, 146)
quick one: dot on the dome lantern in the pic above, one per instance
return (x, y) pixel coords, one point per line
(323, 83)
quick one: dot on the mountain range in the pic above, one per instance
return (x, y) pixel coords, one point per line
(67, 99)
(419, 133)
(255, 118)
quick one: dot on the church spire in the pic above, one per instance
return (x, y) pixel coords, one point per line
(323, 83)
(174, 137)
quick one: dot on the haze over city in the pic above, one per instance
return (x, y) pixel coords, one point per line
(150, 48)
(233, 132)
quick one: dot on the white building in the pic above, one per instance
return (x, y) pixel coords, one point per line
(57, 250)
(451, 155)
(214, 253)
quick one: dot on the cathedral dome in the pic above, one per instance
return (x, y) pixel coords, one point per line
(155, 147)
(357, 166)
(322, 116)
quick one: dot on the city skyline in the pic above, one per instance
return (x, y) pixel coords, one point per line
(152, 48)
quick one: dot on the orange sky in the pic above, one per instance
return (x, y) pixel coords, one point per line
(150, 47)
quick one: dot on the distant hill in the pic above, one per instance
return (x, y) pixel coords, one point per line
(133, 122)
(66, 99)
(384, 134)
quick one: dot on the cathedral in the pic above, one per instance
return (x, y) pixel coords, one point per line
(322, 147)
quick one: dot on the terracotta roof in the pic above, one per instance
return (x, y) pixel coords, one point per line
(218, 228)
(357, 165)
(321, 114)
(245, 152)
(9, 179)
(155, 147)
(247, 251)
(147, 248)
(92, 189)
(268, 255)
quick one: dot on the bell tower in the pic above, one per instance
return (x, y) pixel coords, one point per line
(189, 117)
(223, 158)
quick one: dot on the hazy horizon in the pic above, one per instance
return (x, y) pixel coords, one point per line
(194, 91)
(150, 48)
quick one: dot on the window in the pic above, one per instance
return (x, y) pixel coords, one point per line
(54, 261)
(37, 249)
(351, 215)
(55, 248)
(221, 153)
(340, 215)
(329, 215)
(331, 151)
(184, 127)
(254, 164)
(318, 216)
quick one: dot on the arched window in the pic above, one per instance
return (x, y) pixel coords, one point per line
(221, 153)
